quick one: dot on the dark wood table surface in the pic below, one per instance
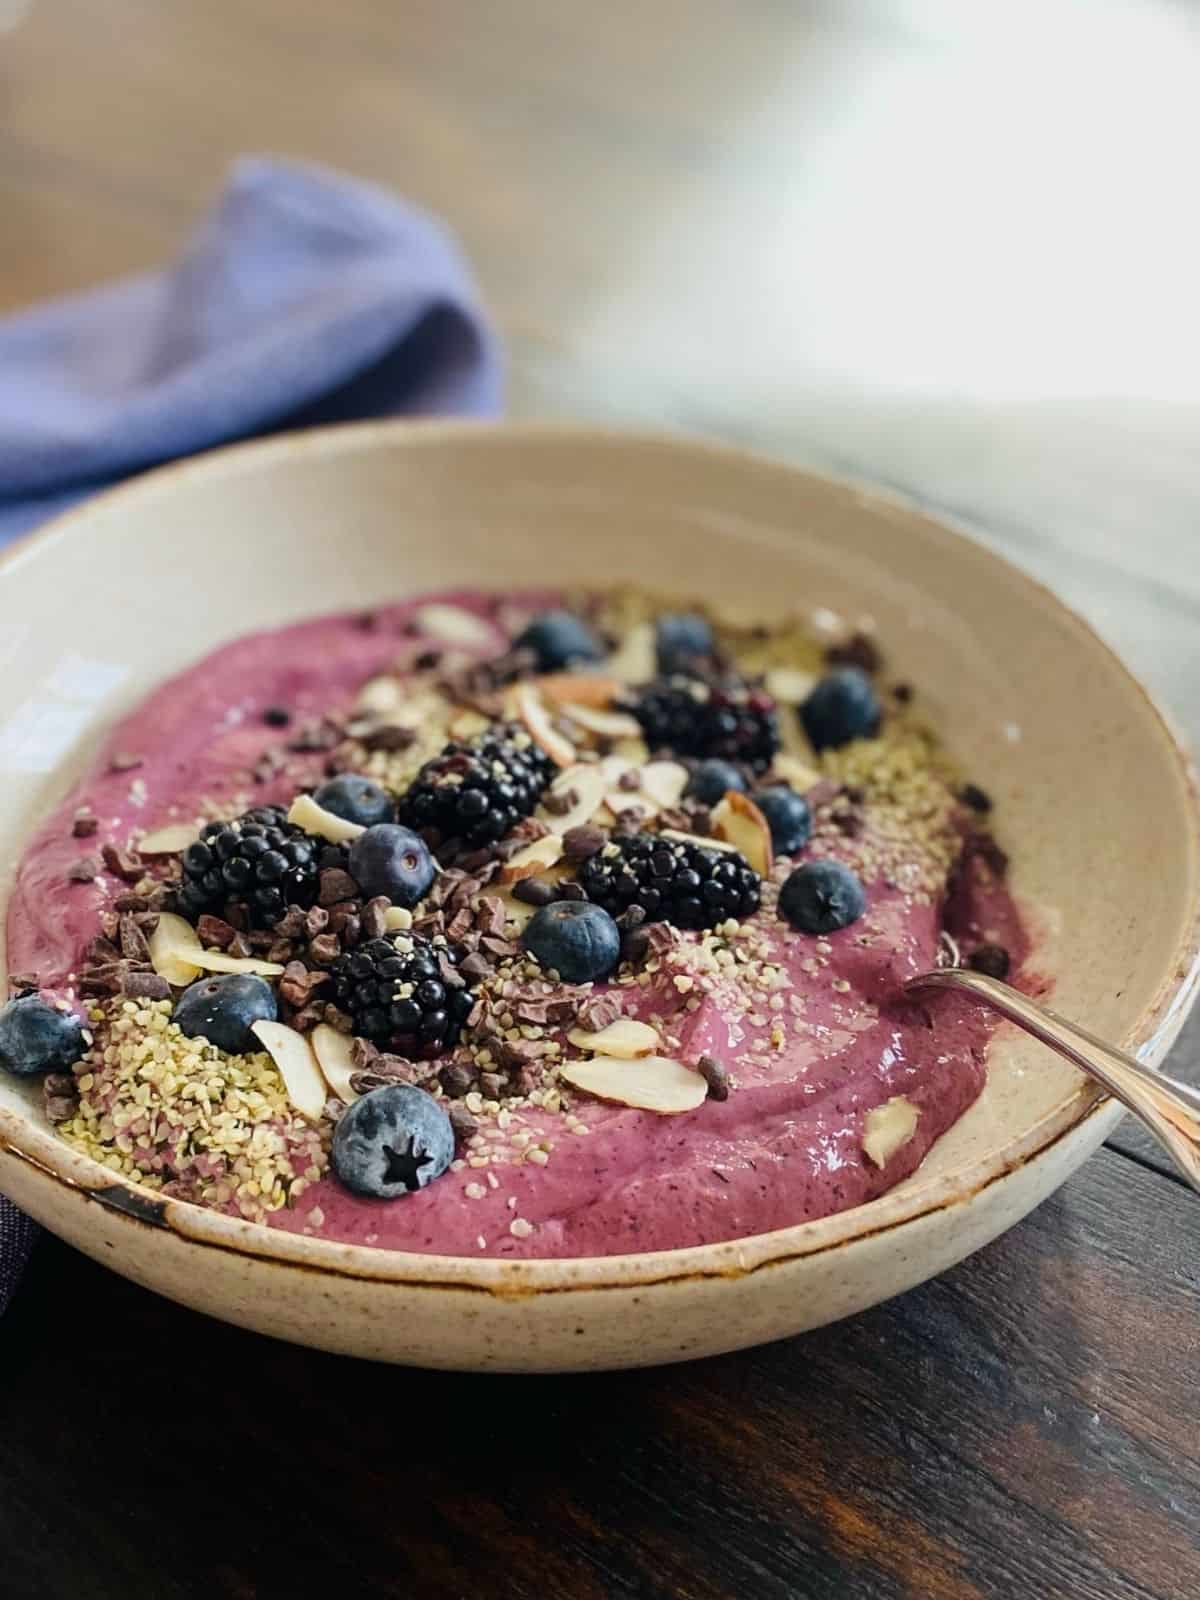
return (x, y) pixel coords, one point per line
(947, 248)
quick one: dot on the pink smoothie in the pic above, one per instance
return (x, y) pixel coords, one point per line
(784, 1147)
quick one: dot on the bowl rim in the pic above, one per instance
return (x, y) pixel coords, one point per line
(911, 1203)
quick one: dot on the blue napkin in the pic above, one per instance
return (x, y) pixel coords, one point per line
(304, 297)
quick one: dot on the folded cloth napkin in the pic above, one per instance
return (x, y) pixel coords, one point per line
(304, 297)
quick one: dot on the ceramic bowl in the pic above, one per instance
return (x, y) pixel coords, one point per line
(1093, 797)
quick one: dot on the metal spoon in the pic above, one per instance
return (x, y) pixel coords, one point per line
(1169, 1109)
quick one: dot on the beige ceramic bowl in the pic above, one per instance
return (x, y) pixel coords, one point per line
(1093, 798)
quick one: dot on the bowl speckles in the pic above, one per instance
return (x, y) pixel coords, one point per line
(1093, 798)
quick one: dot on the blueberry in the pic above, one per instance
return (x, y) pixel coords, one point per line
(821, 897)
(559, 639)
(712, 779)
(682, 638)
(788, 817)
(392, 861)
(392, 1141)
(843, 706)
(221, 1010)
(579, 940)
(356, 799)
(991, 959)
(35, 1037)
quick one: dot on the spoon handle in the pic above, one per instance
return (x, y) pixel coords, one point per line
(1169, 1109)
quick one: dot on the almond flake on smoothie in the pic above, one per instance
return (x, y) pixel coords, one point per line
(582, 898)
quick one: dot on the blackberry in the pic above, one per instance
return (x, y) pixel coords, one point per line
(477, 791)
(671, 880)
(259, 860)
(396, 992)
(698, 717)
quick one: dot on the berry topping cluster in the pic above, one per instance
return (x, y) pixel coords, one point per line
(689, 885)
(469, 867)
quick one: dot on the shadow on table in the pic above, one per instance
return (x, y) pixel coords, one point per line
(981, 1436)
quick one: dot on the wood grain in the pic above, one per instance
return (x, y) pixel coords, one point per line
(1007, 1430)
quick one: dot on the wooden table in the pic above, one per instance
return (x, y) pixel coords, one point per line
(950, 248)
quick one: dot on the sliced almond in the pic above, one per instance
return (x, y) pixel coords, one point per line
(380, 696)
(795, 771)
(218, 961)
(335, 1057)
(794, 741)
(614, 767)
(788, 685)
(632, 751)
(626, 1038)
(517, 911)
(534, 859)
(636, 660)
(168, 841)
(466, 724)
(619, 800)
(307, 814)
(510, 705)
(888, 1128)
(696, 839)
(664, 782)
(173, 944)
(579, 689)
(587, 784)
(739, 821)
(654, 1083)
(605, 724)
(531, 709)
(397, 919)
(455, 625)
(292, 1054)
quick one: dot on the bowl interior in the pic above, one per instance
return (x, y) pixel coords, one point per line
(1092, 799)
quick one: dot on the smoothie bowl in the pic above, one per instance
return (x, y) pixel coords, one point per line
(460, 884)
